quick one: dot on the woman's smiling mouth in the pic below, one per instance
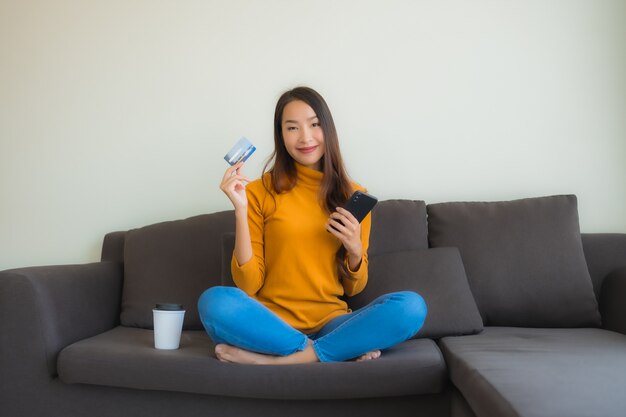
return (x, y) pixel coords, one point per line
(307, 149)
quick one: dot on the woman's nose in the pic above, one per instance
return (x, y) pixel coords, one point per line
(306, 134)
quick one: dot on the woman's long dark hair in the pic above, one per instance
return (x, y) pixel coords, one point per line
(335, 188)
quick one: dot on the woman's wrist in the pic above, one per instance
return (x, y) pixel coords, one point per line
(354, 261)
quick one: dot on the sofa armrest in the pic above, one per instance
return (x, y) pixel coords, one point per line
(612, 305)
(44, 309)
(605, 253)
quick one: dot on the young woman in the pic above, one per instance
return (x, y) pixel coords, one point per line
(297, 252)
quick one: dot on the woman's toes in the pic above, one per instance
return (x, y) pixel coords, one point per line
(221, 352)
(369, 356)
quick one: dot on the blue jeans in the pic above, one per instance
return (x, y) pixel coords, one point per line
(231, 316)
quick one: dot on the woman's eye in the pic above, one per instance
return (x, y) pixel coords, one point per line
(316, 124)
(291, 128)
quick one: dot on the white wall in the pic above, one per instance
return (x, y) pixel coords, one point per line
(116, 114)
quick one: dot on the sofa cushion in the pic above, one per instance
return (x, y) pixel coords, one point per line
(228, 246)
(438, 276)
(604, 253)
(524, 372)
(524, 259)
(172, 262)
(398, 225)
(126, 357)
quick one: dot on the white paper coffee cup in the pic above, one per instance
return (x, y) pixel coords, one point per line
(168, 325)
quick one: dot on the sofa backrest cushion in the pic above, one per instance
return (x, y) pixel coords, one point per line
(228, 246)
(524, 259)
(172, 262)
(438, 276)
(398, 225)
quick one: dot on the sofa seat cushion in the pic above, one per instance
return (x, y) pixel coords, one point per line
(540, 372)
(126, 357)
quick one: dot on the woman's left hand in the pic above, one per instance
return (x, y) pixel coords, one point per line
(345, 227)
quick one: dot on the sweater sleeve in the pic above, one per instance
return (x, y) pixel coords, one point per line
(250, 276)
(358, 279)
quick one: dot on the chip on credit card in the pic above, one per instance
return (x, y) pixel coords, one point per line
(240, 152)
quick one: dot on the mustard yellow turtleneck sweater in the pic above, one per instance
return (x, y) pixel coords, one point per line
(293, 270)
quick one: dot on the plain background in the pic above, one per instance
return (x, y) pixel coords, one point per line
(117, 114)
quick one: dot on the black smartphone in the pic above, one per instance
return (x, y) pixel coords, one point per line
(360, 204)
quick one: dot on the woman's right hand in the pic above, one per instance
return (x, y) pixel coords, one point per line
(234, 186)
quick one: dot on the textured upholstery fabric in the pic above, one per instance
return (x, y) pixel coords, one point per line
(605, 253)
(58, 399)
(438, 276)
(524, 259)
(612, 301)
(522, 372)
(125, 357)
(172, 262)
(48, 307)
(228, 246)
(459, 406)
(398, 225)
(113, 247)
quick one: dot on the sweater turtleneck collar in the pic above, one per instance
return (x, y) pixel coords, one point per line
(309, 176)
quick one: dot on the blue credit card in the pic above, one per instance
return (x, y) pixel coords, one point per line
(240, 152)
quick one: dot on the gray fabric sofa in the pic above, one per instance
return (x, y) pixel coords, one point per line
(526, 318)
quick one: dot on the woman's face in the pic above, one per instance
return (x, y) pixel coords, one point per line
(303, 135)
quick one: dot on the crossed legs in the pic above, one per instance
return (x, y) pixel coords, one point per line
(245, 331)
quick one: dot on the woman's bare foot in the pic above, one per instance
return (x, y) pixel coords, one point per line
(369, 356)
(228, 353)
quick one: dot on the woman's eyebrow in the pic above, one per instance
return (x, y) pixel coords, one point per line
(295, 121)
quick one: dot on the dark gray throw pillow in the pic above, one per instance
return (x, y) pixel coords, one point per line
(438, 276)
(524, 259)
(172, 262)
